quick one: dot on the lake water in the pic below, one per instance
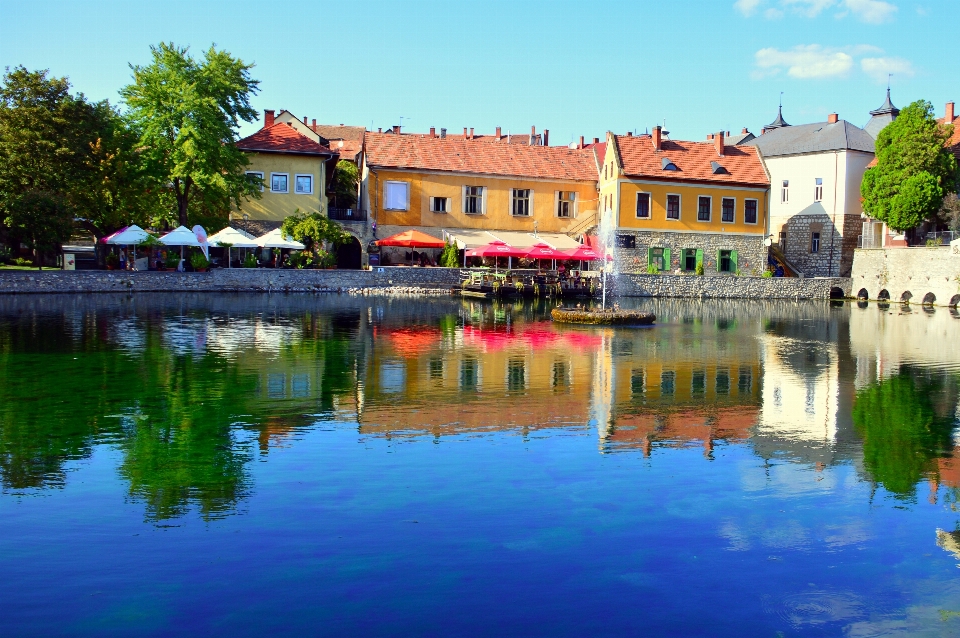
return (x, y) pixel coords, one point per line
(333, 465)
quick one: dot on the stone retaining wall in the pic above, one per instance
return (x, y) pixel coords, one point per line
(759, 288)
(907, 274)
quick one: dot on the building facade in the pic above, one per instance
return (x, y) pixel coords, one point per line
(680, 206)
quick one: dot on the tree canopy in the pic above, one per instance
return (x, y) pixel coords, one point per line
(346, 180)
(313, 230)
(187, 113)
(914, 169)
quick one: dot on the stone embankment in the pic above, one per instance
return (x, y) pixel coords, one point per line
(395, 281)
(929, 276)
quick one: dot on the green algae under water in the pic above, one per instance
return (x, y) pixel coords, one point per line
(328, 465)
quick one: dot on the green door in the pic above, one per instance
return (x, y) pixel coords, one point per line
(733, 261)
(699, 258)
(718, 261)
(666, 259)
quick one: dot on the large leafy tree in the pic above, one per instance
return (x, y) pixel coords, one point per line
(346, 180)
(914, 169)
(188, 113)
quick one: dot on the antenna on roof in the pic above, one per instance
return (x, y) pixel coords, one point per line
(781, 99)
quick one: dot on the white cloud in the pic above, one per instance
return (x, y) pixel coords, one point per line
(872, 11)
(747, 7)
(803, 62)
(879, 68)
(808, 8)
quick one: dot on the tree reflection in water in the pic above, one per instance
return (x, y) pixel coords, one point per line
(904, 428)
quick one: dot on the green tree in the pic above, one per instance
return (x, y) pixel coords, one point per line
(448, 258)
(188, 113)
(346, 180)
(41, 220)
(914, 169)
(314, 230)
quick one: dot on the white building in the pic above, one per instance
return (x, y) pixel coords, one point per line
(815, 173)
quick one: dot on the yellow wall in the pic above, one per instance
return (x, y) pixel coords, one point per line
(278, 206)
(689, 201)
(499, 201)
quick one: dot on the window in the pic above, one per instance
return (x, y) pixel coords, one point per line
(604, 171)
(785, 192)
(726, 261)
(516, 375)
(698, 382)
(818, 189)
(750, 211)
(278, 182)
(637, 382)
(436, 367)
(814, 242)
(745, 381)
(657, 258)
(626, 241)
(727, 207)
(439, 204)
(473, 200)
(256, 175)
(561, 374)
(783, 240)
(673, 207)
(643, 205)
(566, 204)
(723, 381)
(668, 382)
(396, 195)
(303, 184)
(469, 374)
(703, 209)
(689, 258)
(521, 202)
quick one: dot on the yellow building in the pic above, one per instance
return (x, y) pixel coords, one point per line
(438, 183)
(294, 169)
(685, 206)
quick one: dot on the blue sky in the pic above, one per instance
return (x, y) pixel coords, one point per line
(576, 68)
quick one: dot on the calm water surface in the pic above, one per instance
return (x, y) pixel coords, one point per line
(301, 465)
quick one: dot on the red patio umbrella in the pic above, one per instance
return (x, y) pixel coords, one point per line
(543, 251)
(585, 253)
(496, 249)
(412, 239)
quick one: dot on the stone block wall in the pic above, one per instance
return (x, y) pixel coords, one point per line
(800, 229)
(913, 274)
(755, 288)
(751, 253)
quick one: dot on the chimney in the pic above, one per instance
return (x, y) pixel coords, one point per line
(433, 131)
(304, 120)
(832, 118)
(629, 133)
(314, 124)
(581, 142)
(546, 137)
(744, 131)
(728, 133)
(949, 114)
(498, 134)
(657, 130)
(709, 136)
(471, 132)
(379, 130)
(443, 134)
(396, 129)
(268, 118)
(596, 140)
(533, 134)
(464, 132)
(718, 140)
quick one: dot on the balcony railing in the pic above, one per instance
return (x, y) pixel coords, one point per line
(347, 214)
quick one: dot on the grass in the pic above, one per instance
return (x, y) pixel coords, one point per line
(9, 267)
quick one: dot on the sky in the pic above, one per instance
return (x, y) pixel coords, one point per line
(575, 68)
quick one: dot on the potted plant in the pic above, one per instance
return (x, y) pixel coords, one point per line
(173, 260)
(199, 262)
(112, 261)
(298, 260)
(250, 261)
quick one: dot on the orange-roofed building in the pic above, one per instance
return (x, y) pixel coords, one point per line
(685, 206)
(438, 182)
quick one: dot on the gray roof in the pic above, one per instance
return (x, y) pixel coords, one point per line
(818, 137)
(740, 139)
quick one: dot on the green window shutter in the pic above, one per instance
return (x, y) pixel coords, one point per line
(666, 259)
(718, 261)
(649, 255)
(733, 260)
(699, 257)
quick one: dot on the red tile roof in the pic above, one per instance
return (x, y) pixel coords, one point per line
(348, 149)
(600, 149)
(954, 142)
(639, 158)
(465, 156)
(282, 138)
(339, 132)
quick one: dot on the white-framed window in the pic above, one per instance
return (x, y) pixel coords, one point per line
(673, 206)
(704, 204)
(728, 207)
(750, 211)
(439, 204)
(303, 184)
(566, 204)
(521, 202)
(280, 182)
(474, 200)
(257, 174)
(785, 192)
(818, 189)
(396, 195)
(643, 205)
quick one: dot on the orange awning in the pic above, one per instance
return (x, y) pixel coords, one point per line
(411, 239)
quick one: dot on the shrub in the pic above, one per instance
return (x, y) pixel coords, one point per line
(199, 261)
(699, 269)
(448, 258)
(297, 260)
(6, 255)
(250, 261)
(767, 274)
(20, 261)
(652, 269)
(173, 259)
(111, 260)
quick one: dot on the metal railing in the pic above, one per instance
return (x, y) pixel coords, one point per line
(943, 238)
(347, 214)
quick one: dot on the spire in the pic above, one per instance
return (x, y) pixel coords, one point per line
(888, 108)
(777, 123)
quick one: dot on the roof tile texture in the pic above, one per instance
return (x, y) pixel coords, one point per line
(640, 159)
(466, 156)
(282, 138)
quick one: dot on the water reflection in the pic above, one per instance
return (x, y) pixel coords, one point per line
(191, 389)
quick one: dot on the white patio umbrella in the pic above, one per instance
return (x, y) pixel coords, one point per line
(129, 236)
(180, 236)
(276, 239)
(235, 238)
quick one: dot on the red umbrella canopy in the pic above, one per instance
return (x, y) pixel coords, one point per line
(543, 251)
(585, 253)
(412, 239)
(496, 249)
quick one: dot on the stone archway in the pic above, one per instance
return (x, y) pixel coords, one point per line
(929, 299)
(954, 300)
(836, 293)
(883, 295)
(863, 294)
(349, 254)
(906, 296)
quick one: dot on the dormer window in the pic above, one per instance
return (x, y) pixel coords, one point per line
(667, 165)
(717, 169)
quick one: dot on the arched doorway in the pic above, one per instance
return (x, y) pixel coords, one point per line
(929, 299)
(348, 255)
(836, 293)
(884, 295)
(863, 294)
(906, 297)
